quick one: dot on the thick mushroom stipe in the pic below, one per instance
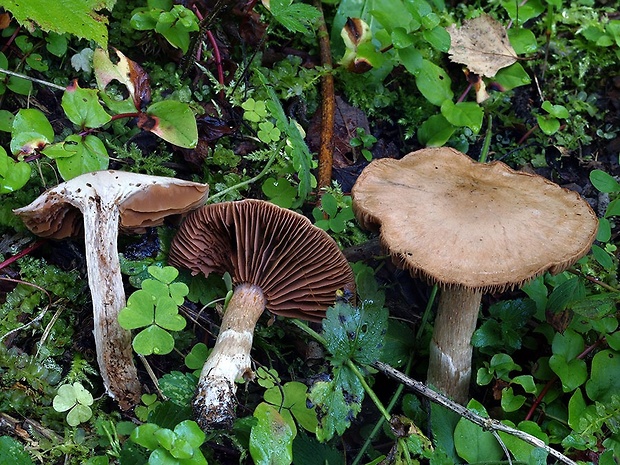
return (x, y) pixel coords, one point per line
(98, 204)
(278, 260)
(470, 228)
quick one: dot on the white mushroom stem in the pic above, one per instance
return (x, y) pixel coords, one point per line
(214, 403)
(449, 369)
(113, 343)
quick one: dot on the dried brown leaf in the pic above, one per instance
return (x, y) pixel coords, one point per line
(482, 45)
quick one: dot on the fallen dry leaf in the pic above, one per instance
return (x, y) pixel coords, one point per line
(482, 45)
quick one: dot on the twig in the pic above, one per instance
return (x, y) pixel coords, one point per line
(328, 104)
(487, 424)
(28, 78)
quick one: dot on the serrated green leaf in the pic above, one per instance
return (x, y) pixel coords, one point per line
(178, 387)
(77, 17)
(296, 17)
(338, 401)
(355, 333)
(271, 439)
(174, 122)
(82, 107)
(153, 340)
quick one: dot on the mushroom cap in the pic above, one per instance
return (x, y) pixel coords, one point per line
(298, 266)
(457, 222)
(142, 201)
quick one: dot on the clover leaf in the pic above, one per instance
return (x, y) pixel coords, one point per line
(77, 400)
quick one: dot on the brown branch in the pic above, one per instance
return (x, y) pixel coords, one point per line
(328, 105)
(488, 424)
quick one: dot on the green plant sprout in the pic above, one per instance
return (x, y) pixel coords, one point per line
(363, 142)
(77, 400)
(550, 123)
(174, 22)
(155, 308)
(180, 446)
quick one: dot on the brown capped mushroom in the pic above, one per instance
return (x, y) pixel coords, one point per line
(100, 203)
(278, 260)
(471, 228)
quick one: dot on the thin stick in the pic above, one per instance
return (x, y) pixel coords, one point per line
(28, 78)
(487, 424)
(328, 105)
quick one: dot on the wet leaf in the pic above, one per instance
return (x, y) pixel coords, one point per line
(474, 444)
(482, 45)
(605, 372)
(81, 155)
(31, 131)
(355, 333)
(271, 439)
(167, 315)
(126, 71)
(294, 404)
(153, 340)
(12, 452)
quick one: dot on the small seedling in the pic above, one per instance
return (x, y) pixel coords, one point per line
(364, 142)
(155, 308)
(180, 446)
(77, 400)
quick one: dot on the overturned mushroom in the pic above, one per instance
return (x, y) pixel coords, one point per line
(471, 228)
(106, 200)
(278, 260)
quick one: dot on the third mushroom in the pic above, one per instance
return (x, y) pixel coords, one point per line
(278, 261)
(471, 228)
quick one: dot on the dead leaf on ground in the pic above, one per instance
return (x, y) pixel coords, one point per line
(482, 45)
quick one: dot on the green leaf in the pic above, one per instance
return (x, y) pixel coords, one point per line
(178, 387)
(548, 125)
(573, 373)
(557, 111)
(438, 37)
(153, 340)
(355, 333)
(511, 402)
(512, 76)
(522, 40)
(613, 209)
(520, 13)
(522, 451)
(12, 452)
(139, 311)
(474, 444)
(144, 435)
(604, 376)
(338, 402)
(433, 83)
(78, 155)
(82, 107)
(79, 414)
(271, 439)
(293, 405)
(174, 122)
(13, 174)
(167, 314)
(296, 17)
(566, 293)
(435, 131)
(31, 131)
(604, 182)
(197, 356)
(468, 114)
(398, 344)
(191, 432)
(279, 191)
(65, 398)
(77, 17)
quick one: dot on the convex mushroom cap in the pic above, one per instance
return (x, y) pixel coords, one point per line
(278, 260)
(470, 228)
(98, 203)
(457, 222)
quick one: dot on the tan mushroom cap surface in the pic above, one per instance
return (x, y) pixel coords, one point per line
(457, 222)
(142, 201)
(298, 266)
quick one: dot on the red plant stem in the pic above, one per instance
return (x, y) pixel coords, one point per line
(11, 39)
(552, 381)
(21, 253)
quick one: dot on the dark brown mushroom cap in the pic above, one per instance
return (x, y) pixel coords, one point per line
(298, 266)
(141, 200)
(457, 222)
